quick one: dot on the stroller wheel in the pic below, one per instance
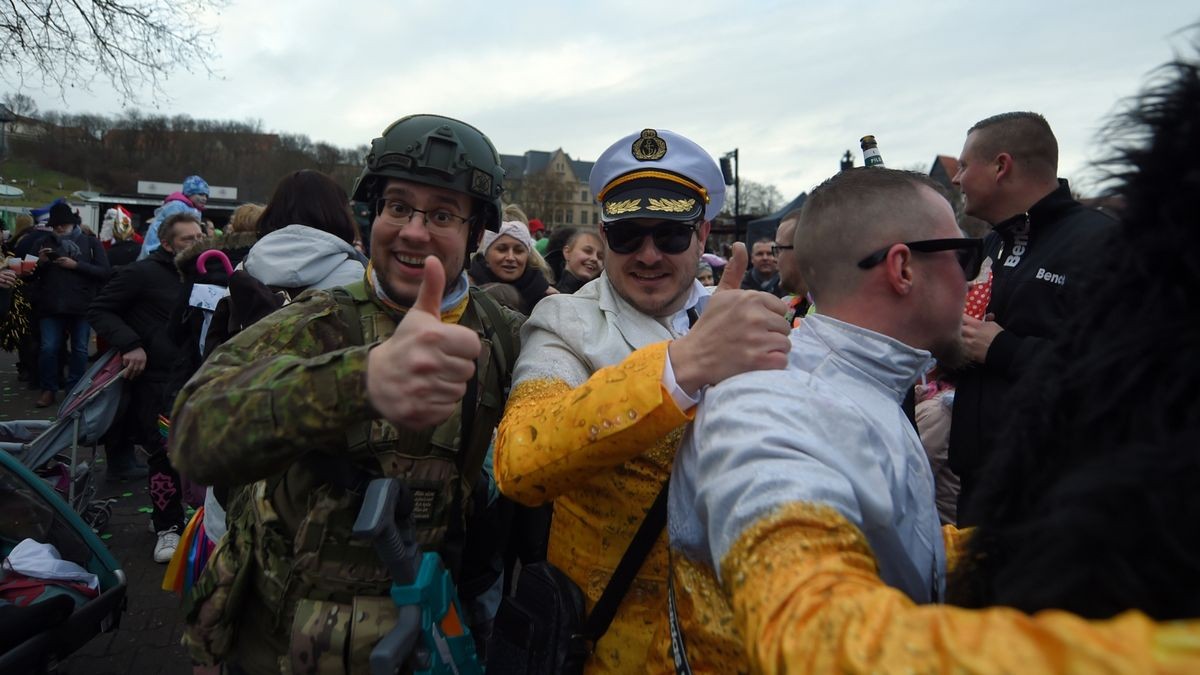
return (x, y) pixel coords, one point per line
(97, 514)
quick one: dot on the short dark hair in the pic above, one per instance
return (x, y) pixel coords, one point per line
(762, 240)
(851, 212)
(1024, 135)
(309, 198)
(166, 231)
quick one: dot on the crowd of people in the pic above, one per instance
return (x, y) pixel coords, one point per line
(871, 443)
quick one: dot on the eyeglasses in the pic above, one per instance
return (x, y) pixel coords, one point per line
(670, 236)
(400, 213)
(969, 251)
(776, 248)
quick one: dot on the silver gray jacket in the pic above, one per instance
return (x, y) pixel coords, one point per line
(828, 429)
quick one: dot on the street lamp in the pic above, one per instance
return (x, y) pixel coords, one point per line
(731, 178)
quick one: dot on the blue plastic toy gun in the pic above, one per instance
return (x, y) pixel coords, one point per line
(430, 635)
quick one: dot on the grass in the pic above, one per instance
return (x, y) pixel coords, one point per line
(46, 187)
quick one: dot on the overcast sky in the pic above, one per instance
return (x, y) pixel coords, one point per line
(791, 84)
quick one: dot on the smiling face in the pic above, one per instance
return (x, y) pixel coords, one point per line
(398, 250)
(976, 178)
(584, 257)
(654, 282)
(506, 259)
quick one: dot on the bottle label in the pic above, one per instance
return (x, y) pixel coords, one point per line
(871, 157)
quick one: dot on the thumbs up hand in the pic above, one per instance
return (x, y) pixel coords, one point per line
(735, 269)
(739, 331)
(417, 376)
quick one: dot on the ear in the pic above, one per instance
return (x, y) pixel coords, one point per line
(702, 233)
(899, 269)
(1004, 166)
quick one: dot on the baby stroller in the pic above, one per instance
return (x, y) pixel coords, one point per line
(52, 448)
(42, 623)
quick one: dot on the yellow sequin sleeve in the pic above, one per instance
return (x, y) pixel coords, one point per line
(955, 541)
(553, 437)
(807, 599)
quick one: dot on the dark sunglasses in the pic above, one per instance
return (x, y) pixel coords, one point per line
(968, 250)
(670, 236)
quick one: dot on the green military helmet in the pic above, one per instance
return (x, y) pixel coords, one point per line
(440, 152)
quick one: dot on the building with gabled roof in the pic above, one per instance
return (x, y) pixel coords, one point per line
(552, 187)
(943, 170)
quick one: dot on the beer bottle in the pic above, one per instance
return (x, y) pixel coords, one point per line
(870, 150)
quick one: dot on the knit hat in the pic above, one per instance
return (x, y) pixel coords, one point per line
(61, 214)
(512, 228)
(195, 185)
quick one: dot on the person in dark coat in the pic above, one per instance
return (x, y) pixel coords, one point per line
(71, 268)
(132, 313)
(1043, 246)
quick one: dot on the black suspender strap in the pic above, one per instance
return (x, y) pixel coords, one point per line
(652, 525)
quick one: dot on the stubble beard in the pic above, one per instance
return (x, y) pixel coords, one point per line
(951, 354)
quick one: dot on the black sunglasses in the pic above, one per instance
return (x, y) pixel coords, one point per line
(969, 251)
(670, 236)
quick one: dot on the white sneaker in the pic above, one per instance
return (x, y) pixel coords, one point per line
(164, 550)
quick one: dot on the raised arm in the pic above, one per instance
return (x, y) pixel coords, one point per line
(807, 599)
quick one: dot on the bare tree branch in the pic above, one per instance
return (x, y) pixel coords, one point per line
(133, 44)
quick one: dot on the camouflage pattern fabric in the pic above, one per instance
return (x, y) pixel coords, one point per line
(282, 408)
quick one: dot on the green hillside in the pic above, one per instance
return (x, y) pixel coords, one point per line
(46, 183)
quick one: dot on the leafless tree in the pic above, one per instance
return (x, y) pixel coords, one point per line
(20, 104)
(758, 199)
(133, 44)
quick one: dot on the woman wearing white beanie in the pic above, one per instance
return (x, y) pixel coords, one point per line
(504, 257)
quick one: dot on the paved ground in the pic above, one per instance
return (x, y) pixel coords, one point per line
(147, 642)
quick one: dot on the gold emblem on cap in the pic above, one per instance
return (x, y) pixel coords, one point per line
(627, 206)
(649, 146)
(671, 205)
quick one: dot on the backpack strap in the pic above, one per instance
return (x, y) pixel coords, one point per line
(496, 329)
(352, 299)
(605, 608)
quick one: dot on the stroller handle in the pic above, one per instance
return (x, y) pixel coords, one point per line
(201, 261)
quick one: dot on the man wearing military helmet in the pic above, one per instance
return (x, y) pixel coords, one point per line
(611, 376)
(403, 374)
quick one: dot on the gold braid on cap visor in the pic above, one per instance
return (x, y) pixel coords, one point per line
(674, 178)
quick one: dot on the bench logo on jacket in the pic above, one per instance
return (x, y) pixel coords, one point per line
(1020, 244)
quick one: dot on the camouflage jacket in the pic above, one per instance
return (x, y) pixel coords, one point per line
(282, 409)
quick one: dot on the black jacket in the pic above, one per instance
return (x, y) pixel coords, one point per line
(133, 307)
(568, 283)
(751, 282)
(123, 253)
(1040, 261)
(58, 290)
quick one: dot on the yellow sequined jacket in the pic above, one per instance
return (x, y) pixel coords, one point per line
(807, 599)
(590, 427)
